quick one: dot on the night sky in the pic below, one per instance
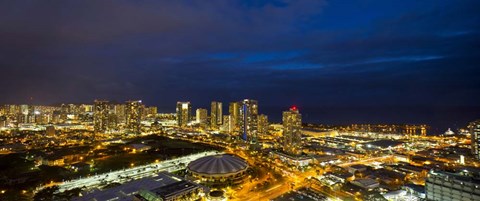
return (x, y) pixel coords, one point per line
(340, 62)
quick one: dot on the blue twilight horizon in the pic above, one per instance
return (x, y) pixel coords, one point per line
(358, 61)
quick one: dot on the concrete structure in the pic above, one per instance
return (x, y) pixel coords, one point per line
(446, 186)
(292, 131)
(357, 168)
(475, 137)
(262, 124)
(228, 124)
(221, 169)
(367, 184)
(164, 186)
(50, 130)
(133, 111)
(294, 160)
(234, 112)
(216, 115)
(201, 117)
(248, 121)
(100, 116)
(184, 111)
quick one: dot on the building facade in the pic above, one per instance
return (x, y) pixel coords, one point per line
(249, 120)
(445, 186)
(475, 137)
(216, 115)
(262, 124)
(202, 117)
(184, 111)
(100, 116)
(292, 135)
(234, 112)
(133, 115)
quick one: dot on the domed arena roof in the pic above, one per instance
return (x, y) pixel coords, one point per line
(218, 164)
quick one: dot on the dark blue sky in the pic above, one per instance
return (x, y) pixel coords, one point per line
(339, 61)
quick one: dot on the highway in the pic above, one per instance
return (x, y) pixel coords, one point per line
(121, 176)
(368, 160)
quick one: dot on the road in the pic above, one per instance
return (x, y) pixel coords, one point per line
(368, 160)
(121, 176)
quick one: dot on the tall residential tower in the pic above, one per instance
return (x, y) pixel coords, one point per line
(133, 111)
(248, 120)
(475, 137)
(216, 115)
(100, 116)
(292, 131)
(184, 113)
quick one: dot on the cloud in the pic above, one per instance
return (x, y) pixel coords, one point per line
(307, 52)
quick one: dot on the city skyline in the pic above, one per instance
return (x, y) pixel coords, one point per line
(275, 114)
(240, 100)
(340, 62)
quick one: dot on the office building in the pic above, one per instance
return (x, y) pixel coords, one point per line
(475, 137)
(133, 113)
(248, 121)
(292, 135)
(216, 115)
(446, 186)
(183, 113)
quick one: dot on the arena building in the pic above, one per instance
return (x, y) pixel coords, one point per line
(217, 170)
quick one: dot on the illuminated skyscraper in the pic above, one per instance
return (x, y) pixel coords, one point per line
(184, 112)
(249, 118)
(292, 134)
(50, 130)
(120, 112)
(262, 124)
(133, 112)
(151, 111)
(202, 116)
(86, 108)
(216, 115)
(234, 110)
(475, 137)
(100, 116)
(3, 121)
(227, 125)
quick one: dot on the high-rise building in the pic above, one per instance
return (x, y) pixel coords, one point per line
(133, 113)
(228, 125)
(184, 111)
(475, 137)
(216, 114)
(86, 108)
(100, 116)
(50, 131)
(248, 121)
(120, 112)
(446, 186)
(234, 110)
(3, 121)
(262, 124)
(292, 131)
(151, 111)
(202, 116)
